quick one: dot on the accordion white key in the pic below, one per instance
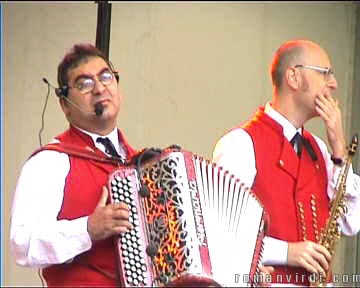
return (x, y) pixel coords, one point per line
(194, 224)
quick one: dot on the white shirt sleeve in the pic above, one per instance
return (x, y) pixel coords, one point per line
(231, 152)
(37, 238)
(236, 148)
(350, 222)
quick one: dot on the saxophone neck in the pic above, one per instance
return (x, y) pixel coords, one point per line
(340, 185)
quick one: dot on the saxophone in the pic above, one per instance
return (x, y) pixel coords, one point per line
(332, 232)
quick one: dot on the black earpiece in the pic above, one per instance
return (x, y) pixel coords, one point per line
(62, 92)
(112, 68)
(116, 74)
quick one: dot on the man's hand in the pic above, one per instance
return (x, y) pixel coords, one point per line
(108, 220)
(329, 111)
(314, 257)
(264, 271)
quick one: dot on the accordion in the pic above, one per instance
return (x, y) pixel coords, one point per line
(194, 224)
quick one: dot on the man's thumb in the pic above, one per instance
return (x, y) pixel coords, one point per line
(103, 198)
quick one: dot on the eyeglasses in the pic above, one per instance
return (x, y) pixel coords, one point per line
(326, 71)
(86, 84)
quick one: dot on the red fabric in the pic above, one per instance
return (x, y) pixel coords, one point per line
(83, 187)
(282, 182)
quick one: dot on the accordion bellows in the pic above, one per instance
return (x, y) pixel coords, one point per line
(194, 224)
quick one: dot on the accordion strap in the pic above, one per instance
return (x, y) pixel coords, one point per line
(78, 151)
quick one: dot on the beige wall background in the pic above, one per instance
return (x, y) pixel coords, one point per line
(189, 72)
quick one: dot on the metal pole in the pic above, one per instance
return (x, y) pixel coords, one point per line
(103, 26)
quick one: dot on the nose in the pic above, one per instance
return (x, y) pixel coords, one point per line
(99, 87)
(332, 82)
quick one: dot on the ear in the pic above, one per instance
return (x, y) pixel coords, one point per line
(64, 106)
(293, 78)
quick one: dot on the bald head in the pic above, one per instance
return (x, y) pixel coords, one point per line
(290, 53)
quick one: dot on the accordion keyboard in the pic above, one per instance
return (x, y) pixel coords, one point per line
(131, 243)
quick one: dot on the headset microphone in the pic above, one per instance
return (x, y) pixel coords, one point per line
(60, 92)
(63, 92)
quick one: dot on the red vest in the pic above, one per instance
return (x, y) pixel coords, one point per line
(83, 187)
(292, 189)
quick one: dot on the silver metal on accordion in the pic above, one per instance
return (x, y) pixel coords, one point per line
(197, 226)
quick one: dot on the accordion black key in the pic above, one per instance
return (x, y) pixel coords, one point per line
(194, 224)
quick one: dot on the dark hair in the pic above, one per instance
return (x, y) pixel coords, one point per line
(78, 54)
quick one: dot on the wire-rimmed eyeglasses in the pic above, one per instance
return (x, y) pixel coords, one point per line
(86, 84)
(326, 71)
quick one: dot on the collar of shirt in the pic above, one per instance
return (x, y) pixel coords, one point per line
(113, 136)
(288, 129)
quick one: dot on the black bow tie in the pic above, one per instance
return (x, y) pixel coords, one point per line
(109, 147)
(298, 142)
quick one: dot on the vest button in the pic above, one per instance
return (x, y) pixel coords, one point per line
(281, 162)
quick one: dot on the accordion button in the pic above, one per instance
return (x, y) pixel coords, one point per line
(164, 279)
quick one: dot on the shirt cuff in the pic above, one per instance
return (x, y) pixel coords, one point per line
(275, 251)
(352, 182)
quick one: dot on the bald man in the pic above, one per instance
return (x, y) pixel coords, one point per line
(290, 169)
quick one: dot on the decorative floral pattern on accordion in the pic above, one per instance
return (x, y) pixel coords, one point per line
(165, 217)
(173, 241)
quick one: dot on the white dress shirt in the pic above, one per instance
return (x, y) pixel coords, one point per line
(236, 147)
(37, 238)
